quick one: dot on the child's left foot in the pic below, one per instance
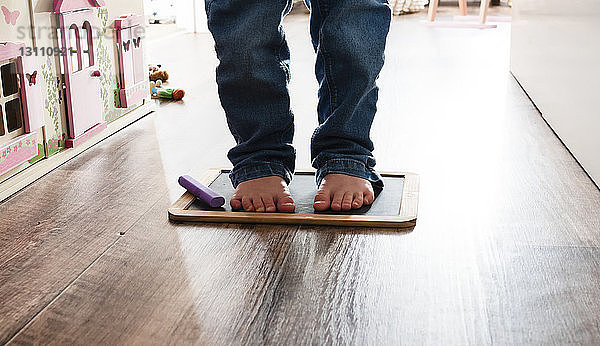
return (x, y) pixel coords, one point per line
(343, 192)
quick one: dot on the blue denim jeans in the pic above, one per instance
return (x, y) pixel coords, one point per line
(349, 38)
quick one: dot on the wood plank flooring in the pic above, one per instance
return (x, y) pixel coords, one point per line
(506, 249)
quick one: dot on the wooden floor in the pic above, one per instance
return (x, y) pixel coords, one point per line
(506, 249)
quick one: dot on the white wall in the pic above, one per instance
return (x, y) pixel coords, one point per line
(185, 15)
(125, 7)
(556, 57)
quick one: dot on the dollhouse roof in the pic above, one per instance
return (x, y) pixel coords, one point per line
(10, 50)
(72, 5)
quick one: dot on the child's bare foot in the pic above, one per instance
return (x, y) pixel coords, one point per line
(343, 192)
(268, 194)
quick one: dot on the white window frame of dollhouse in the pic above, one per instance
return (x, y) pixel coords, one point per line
(5, 134)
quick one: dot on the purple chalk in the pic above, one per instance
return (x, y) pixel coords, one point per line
(201, 191)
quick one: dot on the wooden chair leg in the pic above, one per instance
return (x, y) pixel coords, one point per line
(433, 5)
(462, 5)
(483, 11)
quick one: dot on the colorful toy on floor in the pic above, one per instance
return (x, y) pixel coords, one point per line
(202, 192)
(154, 86)
(158, 79)
(157, 74)
(169, 94)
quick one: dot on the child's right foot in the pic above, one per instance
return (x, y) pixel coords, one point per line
(268, 194)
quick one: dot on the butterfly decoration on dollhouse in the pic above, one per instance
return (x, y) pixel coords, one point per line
(136, 43)
(10, 16)
(31, 78)
(133, 81)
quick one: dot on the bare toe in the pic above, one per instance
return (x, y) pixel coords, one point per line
(258, 204)
(347, 201)
(236, 203)
(336, 203)
(322, 201)
(247, 203)
(269, 204)
(286, 204)
(369, 197)
(358, 201)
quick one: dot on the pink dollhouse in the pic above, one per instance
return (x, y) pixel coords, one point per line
(132, 70)
(20, 105)
(81, 73)
(56, 105)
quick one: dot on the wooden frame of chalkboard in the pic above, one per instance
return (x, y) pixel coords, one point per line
(406, 218)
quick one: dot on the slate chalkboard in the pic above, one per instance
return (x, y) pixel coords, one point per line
(395, 207)
(303, 189)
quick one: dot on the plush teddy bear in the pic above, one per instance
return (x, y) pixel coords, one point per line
(156, 73)
(161, 74)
